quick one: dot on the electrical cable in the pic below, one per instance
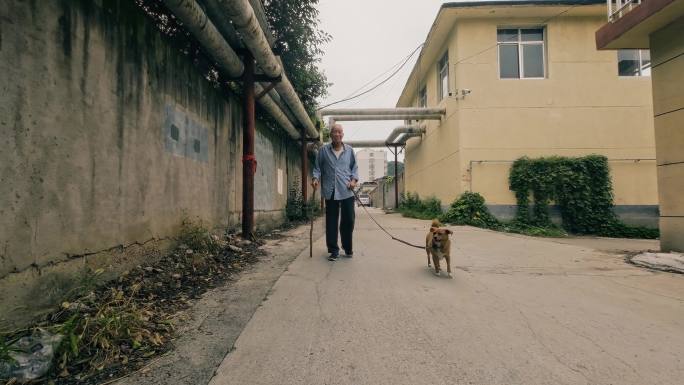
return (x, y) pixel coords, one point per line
(377, 85)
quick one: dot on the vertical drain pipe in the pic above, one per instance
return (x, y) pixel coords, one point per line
(305, 171)
(396, 181)
(248, 158)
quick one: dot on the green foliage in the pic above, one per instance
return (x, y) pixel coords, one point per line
(390, 168)
(469, 209)
(325, 134)
(550, 230)
(297, 209)
(295, 25)
(413, 207)
(582, 189)
(198, 238)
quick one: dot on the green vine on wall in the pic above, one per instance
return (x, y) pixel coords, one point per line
(580, 187)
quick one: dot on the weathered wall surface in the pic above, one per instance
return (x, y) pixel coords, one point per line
(667, 53)
(110, 136)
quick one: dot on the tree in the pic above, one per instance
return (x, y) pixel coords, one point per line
(390, 168)
(295, 26)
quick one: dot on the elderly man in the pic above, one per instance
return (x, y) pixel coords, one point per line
(337, 173)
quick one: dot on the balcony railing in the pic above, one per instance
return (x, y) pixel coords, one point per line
(618, 8)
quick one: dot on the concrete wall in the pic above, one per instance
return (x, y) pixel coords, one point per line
(383, 195)
(667, 55)
(111, 136)
(581, 107)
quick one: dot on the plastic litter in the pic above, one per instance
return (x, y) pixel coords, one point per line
(31, 356)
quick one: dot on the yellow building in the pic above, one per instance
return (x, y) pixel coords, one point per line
(658, 25)
(524, 78)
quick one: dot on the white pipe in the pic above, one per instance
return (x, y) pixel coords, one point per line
(349, 118)
(196, 21)
(404, 130)
(402, 140)
(383, 111)
(245, 21)
(274, 110)
(407, 131)
(279, 101)
(241, 13)
(222, 23)
(366, 143)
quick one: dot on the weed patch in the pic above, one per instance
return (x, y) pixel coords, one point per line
(115, 328)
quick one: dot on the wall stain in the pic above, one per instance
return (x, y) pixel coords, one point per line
(123, 185)
(86, 46)
(65, 26)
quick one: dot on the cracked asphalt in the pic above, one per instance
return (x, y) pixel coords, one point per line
(519, 310)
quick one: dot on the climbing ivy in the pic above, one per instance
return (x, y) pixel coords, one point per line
(580, 187)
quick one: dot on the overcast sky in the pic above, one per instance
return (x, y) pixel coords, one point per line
(369, 37)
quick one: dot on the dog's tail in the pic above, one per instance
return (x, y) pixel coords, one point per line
(435, 223)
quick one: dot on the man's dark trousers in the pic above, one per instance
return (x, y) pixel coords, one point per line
(346, 224)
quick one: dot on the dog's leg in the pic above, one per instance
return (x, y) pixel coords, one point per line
(448, 262)
(427, 250)
(435, 259)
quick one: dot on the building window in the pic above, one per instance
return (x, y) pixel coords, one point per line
(443, 76)
(634, 62)
(422, 98)
(521, 53)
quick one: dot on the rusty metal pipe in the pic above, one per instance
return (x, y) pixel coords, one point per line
(248, 159)
(396, 181)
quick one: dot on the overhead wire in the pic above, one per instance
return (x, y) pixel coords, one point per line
(403, 63)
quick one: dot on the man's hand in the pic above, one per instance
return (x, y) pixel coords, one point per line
(352, 184)
(314, 183)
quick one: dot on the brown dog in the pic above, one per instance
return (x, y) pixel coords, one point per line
(438, 245)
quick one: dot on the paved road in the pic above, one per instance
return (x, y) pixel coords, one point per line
(519, 310)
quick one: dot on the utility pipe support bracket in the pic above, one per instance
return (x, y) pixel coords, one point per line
(261, 78)
(265, 90)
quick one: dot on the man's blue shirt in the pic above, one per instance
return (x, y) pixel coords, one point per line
(335, 173)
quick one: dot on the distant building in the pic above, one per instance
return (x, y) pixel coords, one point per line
(372, 164)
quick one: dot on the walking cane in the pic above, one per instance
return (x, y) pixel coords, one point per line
(311, 238)
(311, 228)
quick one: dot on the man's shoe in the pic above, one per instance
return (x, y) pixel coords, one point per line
(333, 257)
(348, 255)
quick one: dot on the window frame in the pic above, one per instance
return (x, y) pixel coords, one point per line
(422, 97)
(641, 60)
(519, 43)
(442, 66)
